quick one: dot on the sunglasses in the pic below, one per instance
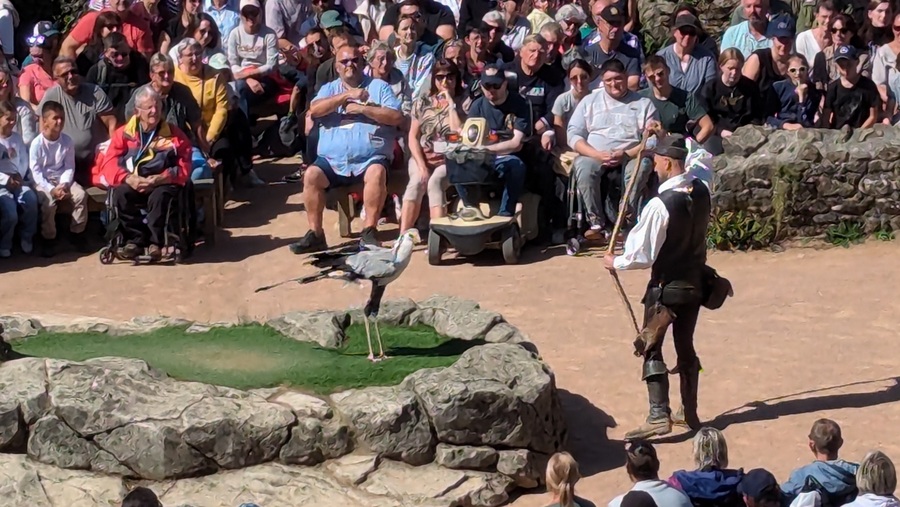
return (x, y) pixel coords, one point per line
(896, 28)
(688, 32)
(116, 55)
(444, 77)
(842, 31)
(66, 74)
(798, 70)
(348, 61)
(36, 40)
(491, 86)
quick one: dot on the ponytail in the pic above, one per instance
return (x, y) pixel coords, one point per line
(562, 474)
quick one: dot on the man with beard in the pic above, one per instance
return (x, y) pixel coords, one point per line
(748, 36)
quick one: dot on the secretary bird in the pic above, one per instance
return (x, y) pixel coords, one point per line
(380, 266)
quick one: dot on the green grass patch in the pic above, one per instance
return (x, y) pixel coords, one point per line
(254, 356)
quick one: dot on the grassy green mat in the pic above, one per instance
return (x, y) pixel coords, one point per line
(256, 356)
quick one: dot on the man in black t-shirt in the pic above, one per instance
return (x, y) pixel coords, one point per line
(435, 21)
(507, 112)
(539, 84)
(851, 99)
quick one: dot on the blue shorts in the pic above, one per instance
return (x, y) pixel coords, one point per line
(338, 180)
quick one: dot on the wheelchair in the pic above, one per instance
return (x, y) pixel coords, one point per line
(180, 230)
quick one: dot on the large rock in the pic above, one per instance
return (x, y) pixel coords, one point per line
(466, 457)
(435, 485)
(161, 428)
(23, 400)
(526, 468)
(25, 483)
(457, 318)
(54, 443)
(388, 421)
(16, 327)
(320, 327)
(495, 395)
(394, 312)
(314, 441)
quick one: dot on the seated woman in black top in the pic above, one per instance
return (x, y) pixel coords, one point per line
(731, 101)
(843, 32)
(119, 72)
(107, 22)
(852, 99)
(766, 66)
(180, 26)
(794, 102)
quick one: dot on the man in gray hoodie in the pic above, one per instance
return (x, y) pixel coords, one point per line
(833, 478)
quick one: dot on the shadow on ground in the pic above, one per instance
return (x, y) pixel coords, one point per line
(448, 348)
(782, 406)
(588, 442)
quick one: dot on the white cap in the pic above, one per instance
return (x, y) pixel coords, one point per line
(249, 3)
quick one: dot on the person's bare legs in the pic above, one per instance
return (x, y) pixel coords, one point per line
(437, 191)
(412, 197)
(314, 185)
(374, 194)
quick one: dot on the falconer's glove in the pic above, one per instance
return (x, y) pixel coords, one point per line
(654, 330)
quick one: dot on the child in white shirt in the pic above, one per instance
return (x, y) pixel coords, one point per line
(53, 168)
(18, 201)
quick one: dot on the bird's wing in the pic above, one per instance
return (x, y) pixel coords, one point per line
(373, 263)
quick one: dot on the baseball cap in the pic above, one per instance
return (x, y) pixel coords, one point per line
(493, 75)
(45, 28)
(613, 15)
(687, 20)
(781, 25)
(330, 19)
(672, 146)
(249, 3)
(759, 484)
(845, 52)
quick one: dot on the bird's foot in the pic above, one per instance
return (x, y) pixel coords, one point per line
(383, 357)
(372, 358)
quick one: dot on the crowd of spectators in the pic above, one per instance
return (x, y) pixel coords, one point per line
(827, 481)
(374, 86)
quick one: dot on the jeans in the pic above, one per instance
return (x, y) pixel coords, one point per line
(18, 206)
(512, 171)
(200, 169)
(601, 200)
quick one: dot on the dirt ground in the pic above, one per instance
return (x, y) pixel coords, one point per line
(810, 333)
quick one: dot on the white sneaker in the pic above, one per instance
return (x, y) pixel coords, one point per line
(27, 246)
(5, 254)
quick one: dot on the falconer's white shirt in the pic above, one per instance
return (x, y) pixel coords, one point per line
(644, 241)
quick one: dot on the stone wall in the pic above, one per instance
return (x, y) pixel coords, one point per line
(806, 181)
(464, 435)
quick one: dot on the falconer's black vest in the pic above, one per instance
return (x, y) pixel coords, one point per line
(683, 253)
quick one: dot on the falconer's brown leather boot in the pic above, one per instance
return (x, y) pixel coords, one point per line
(659, 421)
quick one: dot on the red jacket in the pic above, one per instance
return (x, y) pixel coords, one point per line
(169, 150)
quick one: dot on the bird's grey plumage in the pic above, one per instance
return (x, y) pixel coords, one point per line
(376, 263)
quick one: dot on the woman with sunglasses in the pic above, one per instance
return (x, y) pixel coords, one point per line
(37, 77)
(26, 119)
(107, 23)
(433, 117)
(704, 40)
(768, 65)
(794, 102)
(570, 18)
(206, 33)
(579, 76)
(843, 31)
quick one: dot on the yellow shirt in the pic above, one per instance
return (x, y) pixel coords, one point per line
(209, 91)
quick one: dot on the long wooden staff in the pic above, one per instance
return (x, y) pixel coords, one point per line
(611, 249)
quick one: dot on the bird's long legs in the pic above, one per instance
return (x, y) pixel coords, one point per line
(369, 337)
(381, 354)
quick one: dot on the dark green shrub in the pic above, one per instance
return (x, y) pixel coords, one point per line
(732, 230)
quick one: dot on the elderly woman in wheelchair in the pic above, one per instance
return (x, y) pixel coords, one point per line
(148, 164)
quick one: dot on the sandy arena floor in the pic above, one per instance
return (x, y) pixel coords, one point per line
(808, 334)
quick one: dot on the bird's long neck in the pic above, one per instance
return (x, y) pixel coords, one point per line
(404, 251)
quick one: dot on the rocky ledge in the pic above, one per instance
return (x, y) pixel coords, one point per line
(464, 435)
